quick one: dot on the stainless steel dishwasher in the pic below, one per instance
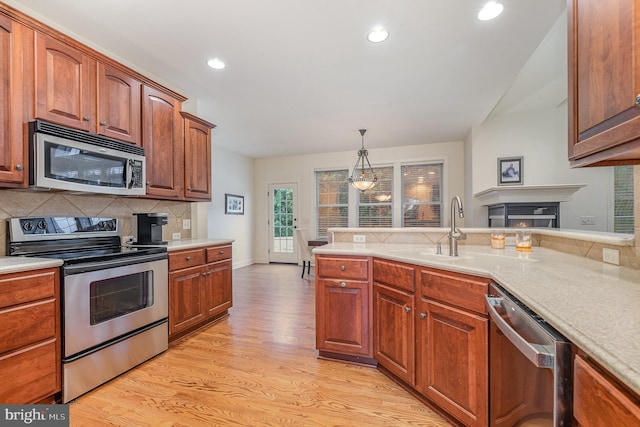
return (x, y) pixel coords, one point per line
(530, 366)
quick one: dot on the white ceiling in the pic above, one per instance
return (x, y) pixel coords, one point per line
(301, 76)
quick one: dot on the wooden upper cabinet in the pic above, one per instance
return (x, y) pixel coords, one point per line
(119, 109)
(197, 158)
(162, 139)
(73, 89)
(65, 84)
(604, 82)
(13, 149)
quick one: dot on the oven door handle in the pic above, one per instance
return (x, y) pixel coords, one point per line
(537, 354)
(103, 265)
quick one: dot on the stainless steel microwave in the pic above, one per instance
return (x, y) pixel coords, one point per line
(62, 158)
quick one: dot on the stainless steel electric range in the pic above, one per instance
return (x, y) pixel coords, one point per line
(114, 297)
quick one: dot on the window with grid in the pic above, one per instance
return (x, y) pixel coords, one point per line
(332, 202)
(375, 206)
(623, 199)
(422, 195)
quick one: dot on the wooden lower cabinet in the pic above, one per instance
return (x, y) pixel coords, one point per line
(452, 361)
(393, 318)
(599, 401)
(200, 288)
(430, 328)
(30, 360)
(343, 307)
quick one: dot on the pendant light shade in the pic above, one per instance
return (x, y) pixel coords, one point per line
(363, 177)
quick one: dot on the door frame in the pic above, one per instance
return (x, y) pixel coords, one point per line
(293, 258)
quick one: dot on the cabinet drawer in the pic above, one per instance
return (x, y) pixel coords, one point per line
(394, 274)
(185, 259)
(343, 268)
(218, 253)
(27, 324)
(30, 375)
(456, 289)
(19, 288)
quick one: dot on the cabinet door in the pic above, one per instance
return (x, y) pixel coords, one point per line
(217, 288)
(185, 296)
(343, 318)
(65, 84)
(13, 149)
(604, 82)
(452, 368)
(197, 159)
(119, 109)
(599, 402)
(393, 334)
(163, 144)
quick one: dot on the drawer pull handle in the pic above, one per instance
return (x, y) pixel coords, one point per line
(343, 284)
(422, 315)
(407, 309)
(343, 268)
(221, 252)
(188, 258)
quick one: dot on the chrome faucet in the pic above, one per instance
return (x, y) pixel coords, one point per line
(455, 234)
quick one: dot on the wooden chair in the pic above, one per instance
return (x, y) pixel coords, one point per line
(305, 252)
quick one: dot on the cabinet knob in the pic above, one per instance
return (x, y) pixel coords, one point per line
(188, 258)
(638, 99)
(343, 268)
(19, 167)
(103, 123)
(422, 315)
(189, 188)
(221, 252)
(148, 183)
(343, 284)
(86, 118)
(407, 309)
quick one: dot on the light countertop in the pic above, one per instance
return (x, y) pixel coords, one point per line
(175, 245)
(595, 305)
(16, 264)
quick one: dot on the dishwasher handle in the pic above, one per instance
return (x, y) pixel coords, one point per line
(536, 353)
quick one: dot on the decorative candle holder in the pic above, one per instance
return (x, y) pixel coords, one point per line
(497, 239)
(523, 240)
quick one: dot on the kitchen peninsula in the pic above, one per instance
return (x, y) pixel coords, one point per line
(593, 304)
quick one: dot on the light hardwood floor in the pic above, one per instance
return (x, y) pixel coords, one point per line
(258, 367)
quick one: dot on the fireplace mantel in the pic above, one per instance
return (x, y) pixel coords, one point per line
(528, 193)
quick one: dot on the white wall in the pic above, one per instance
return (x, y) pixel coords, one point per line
(232, 174)
(301, 170)
(541, 137)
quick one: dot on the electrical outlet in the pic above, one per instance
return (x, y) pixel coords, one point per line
(587, 220)
(611, 256)
(510, 241)
(176, 236)
(186, 224)
(359, 238)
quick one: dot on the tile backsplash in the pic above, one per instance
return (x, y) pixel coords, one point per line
(24, 203)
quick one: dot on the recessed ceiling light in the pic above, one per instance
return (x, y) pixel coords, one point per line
(216, 64)
(378, 35)
(490, 11)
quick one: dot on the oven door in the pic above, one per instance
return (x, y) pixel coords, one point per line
(105, 300)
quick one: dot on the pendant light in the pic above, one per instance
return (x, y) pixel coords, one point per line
(363, 177)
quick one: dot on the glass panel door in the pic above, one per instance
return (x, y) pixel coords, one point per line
(283, 220)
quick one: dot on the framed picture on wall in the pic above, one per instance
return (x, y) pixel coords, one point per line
(510, 170)
(233, 205)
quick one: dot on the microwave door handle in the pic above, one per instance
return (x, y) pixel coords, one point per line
(534, 352)
(129, 176)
